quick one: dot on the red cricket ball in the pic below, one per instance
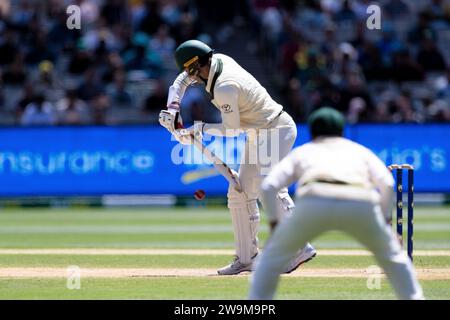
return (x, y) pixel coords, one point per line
(199, 194)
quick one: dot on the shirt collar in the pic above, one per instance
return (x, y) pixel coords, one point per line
(212, 71)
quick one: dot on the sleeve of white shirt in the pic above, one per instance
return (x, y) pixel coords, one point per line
(178, 88)
(283, 174)
(226, 97)
(384, 182)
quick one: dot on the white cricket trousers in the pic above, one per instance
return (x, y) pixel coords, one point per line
(316, 215)
(263, 149)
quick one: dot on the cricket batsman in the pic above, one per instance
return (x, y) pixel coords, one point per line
(341, 185)
(245, 106)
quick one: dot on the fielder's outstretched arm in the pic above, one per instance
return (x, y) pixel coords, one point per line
(282, 175)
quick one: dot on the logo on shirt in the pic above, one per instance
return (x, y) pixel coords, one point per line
(226, 108)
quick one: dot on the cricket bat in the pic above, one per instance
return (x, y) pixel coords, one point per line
(231, 175)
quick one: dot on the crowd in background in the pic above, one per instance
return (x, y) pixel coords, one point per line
(328, 56)
(116, 69)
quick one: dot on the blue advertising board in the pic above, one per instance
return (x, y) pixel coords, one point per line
(71, 161)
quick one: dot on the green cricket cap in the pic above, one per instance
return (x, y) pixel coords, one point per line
(189, 52)
(326, 121)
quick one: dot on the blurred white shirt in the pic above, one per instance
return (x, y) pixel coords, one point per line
(354, 173)
(33, 115)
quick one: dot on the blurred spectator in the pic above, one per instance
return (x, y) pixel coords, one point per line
(15, 74)
(89, 11)
(155, 102)
(401, 109)
(8, 48)
(188, 27)
(443, 86)
(100, 105)
(171, 11)
(39, 112)
(21, 17)
(295, 101)
(163, 45)
(330, 6)
(359, 40)
(310, 65)
(71, 110)
(115, 12)
(330, 45)
(289, 50)
(137, 13)
(5, 6)
(359, 7)
(272, 22)
(438, 111)
(346, 14)
(422, 29)
(312, 16)
(141, 57)
(345, 62)
(28, 96)
(101, 39)
(371, 60)
(90, 87)
(438, 10)
(358, 111)
(382, 112)
(47, 82)
(429, 56)
(59, 37)
(354, 87)
(405, 68)
(80, 60)
(325, 94)
(388, 44)
(396, 8)
(2, 98)
(118, 93)
(152, 18)
(39, 49)
(113, 64)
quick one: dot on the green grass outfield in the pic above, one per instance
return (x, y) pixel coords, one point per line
(156, 253)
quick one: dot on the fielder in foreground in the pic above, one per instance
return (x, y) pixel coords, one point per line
(341, 185)
(245, 106)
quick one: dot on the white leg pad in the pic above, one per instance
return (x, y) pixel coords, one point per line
(253, 211)
(245, 219)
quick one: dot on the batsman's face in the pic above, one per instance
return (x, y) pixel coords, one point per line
(197, 73)
(194, 75)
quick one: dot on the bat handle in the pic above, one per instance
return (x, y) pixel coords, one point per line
(235, 180)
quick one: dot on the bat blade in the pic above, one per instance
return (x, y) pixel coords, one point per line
(229, 174)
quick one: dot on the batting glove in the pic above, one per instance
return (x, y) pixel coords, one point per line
(170, 119)
(197, 130)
